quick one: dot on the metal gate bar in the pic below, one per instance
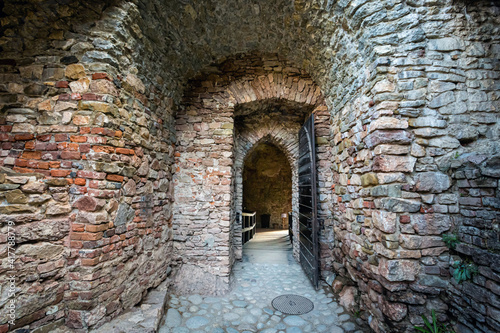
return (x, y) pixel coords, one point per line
(308, 221)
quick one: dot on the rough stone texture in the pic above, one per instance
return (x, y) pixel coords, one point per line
(422, 75)
(71, 135)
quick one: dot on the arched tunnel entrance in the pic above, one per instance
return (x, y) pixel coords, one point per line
(267, 186)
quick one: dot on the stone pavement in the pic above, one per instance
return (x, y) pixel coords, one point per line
(268, 270)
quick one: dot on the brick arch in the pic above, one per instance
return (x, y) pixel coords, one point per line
(275, 86)
(276, 134)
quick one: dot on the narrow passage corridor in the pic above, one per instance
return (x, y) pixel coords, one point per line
(267, 271)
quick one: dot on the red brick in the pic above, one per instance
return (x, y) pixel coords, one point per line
(103, 149)
(32, 164)
(62, 84)
(78, 138)
(66, 164)
(118, 134)
(99, 76)
(80, 181)
(84, 130)
(59, 173)
(96, 228)
(78, 227)
(90, 262)
(50, 155)
(91, 174)
(70, 155)
(5, 128)
(44, 137)
(115, 178)
(91, 97)
(24, 137)
(76, 96)
(21, 162)
(32, 155)
(125, 151)
(84, 148)
(97, 130)
(86, 236)
(68, 146)
(76, 244)
(30, 145)
(404, 219)
(43, 165)
(61, 137)
(54, 164)
(64, 97)
(51, 146)
(94, 184)
(23, 170)
(41, 145)
(4, 137)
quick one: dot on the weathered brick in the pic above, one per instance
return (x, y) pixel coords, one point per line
(70, 155)
(77, 138)
(115, 178)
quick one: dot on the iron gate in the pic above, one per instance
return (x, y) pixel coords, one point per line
(308, 221)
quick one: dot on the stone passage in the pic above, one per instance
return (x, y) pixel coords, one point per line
(125, 125)
(267, 185)
(267, 271)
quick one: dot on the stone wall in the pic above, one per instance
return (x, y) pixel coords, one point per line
(85, 155)
(87, 98)
(427, 103)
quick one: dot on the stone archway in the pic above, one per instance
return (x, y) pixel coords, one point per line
(212, 142)
(280, 137)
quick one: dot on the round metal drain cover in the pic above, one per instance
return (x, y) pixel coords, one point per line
(292, 304)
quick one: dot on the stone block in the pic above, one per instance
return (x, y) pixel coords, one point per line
(398, 205)
(398, 270)
(414, 242)
(124, 215)
(446, 44)
(491, 167)
(369, 179)
(75, 72)
(391, 163)
(434, 182)
(391, 149)
(394, 311)
(430, 224)
(388, 123)
(384, 221)
(89, 204)
(387, 136)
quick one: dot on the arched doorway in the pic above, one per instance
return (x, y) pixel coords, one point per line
(267, 186)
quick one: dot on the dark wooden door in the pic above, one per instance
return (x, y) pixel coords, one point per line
(308, 220)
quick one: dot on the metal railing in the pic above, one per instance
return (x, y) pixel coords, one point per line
(248, 226)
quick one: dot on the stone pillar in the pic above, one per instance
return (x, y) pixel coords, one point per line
(203, 198)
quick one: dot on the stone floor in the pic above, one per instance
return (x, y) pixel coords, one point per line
(268, 270)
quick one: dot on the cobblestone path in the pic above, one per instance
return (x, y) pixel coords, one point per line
(268, 270)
